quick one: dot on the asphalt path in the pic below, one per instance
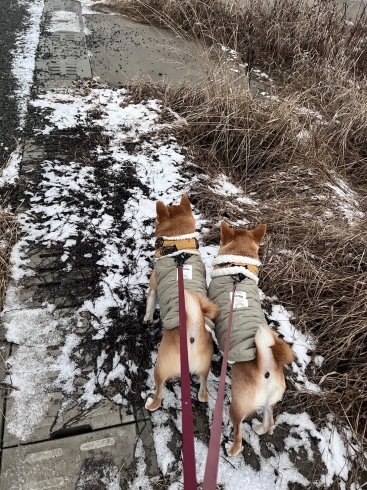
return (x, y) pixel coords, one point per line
(13, 17)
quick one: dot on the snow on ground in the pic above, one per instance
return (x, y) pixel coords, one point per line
(70, 200)
(87, 6)
(347, 200)
(24, 56)
(64, 21)
(23, 64)
(10, 173)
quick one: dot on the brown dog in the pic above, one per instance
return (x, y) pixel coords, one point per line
(175, 234)
(258, 354)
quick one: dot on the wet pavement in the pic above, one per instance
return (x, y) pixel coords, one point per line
(12, 19)
(354, 7)
(123, 49)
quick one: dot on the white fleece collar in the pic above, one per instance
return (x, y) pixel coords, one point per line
(222, 259)
(179, 237)
(191, 252)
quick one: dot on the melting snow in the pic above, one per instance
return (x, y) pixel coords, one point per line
(64, 21)
(24, 56)
(157, 164)
(159, 170)
(9, 174)
(347, 200)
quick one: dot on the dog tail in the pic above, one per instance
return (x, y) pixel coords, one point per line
(268, 343)
(282, 352)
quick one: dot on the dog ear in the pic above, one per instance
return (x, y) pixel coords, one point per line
(185, 204)
(259, 233)
(209, 309)
(162, 212)
(226, 233)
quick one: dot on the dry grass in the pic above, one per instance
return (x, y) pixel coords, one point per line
(323, 280)
(8, 237)
(318, 59)
(295, 150)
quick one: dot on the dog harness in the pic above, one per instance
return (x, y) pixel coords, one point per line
(247, 313)
(174, 245)
(166, 268)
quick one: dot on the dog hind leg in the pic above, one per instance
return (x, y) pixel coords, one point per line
(267, 423)
(236, 419)
(151, 298)
(155, 403)
(203, 395)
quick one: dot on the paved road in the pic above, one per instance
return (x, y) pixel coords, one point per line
(12, 19)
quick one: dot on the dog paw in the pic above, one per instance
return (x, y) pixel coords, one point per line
(151, 405)
(148, 403)
(258, 427)
(231, 449)
(148, 319)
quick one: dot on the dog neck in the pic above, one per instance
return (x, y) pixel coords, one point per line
(229, 265)
(170, 246)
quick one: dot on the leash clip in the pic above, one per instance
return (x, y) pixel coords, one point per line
(181, 258)
(238, 277)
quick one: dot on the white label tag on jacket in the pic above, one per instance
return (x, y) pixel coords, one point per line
(240, 299)
(186, 271)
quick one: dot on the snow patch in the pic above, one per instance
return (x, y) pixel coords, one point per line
(10, 173)
(64, 21)
(24, 56)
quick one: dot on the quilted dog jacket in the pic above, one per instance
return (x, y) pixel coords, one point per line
(247, 316)
(167, 287)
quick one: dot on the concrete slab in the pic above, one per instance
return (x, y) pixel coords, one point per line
(68, 419)
(145, 432)
(34, 296)
(62, 54)
(72, 420)
(123, 49)
(32, 154)
(353, 7)
(4, 355)
(71, 462)
(44, 259)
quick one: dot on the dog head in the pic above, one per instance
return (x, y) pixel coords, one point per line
(241, 242)
(174, 220)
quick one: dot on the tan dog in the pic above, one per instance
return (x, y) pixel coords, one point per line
(258, 354)
(175, 234)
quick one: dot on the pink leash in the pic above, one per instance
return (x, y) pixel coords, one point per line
(188, 448)
(212, 461)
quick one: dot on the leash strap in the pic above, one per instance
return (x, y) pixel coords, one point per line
(188, 448)
(212, 461)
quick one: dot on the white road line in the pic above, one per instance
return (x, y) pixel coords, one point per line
(46, 484)
(43, 455)
(90, 446)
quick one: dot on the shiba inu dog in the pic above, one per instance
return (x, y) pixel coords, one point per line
(256, 351)
(175, 235)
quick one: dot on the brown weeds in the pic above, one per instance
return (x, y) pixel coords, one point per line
(8, 237)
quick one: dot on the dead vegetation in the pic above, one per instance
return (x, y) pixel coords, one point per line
(302, 152)
(8, 237)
